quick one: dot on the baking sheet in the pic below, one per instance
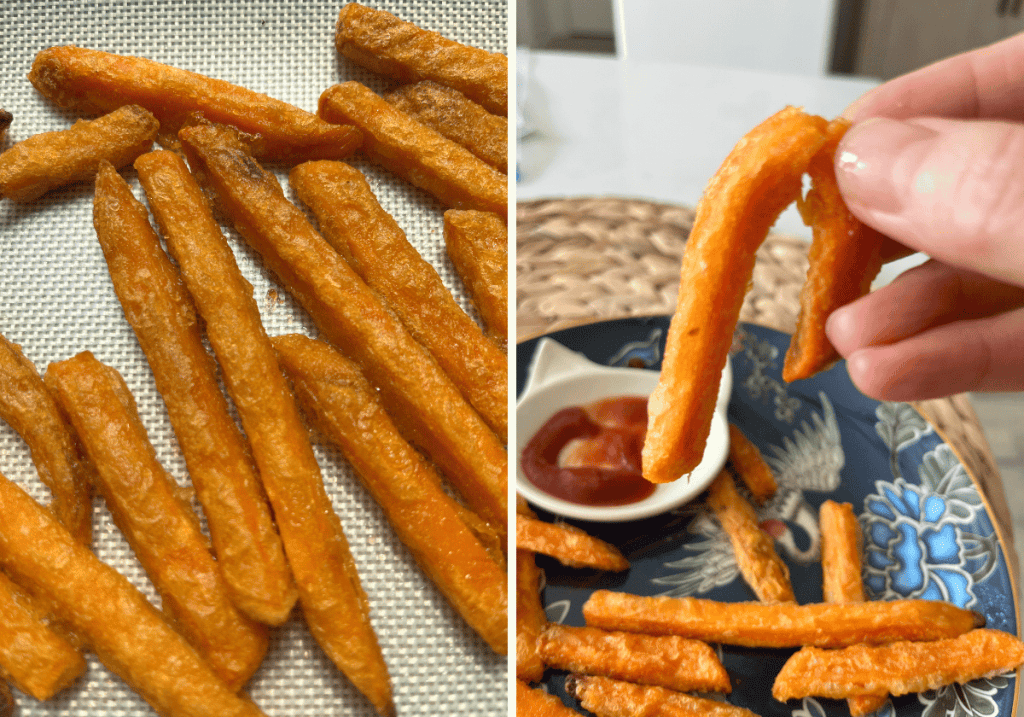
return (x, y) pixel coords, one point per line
(56, 300)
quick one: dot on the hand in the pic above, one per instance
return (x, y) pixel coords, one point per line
(935, 160)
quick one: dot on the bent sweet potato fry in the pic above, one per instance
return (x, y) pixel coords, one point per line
(376, 247)
(477, 244)
(160, 312)
(160, 527)
(752, 624)
(94, 82)
(29, 408)
(568, 544)
(109, 614)
(345, 407)
(898, 668)
(414, 152)
(750, 466)
(425, 404)
(530, 617)
(607, 697)
(535, 702)
(389, 46)
(665, 660)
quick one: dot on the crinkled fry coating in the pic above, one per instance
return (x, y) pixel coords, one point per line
(568, 544)
(477, 244)
(530, 617)
(535, 702)
(608, 697)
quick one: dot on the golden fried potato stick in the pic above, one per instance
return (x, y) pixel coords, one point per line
(422, 401)
(109, 614)
(750, 466)
(753, 624)
(333, 601)
(7, 704)
(898, 668)
(477, 244)
(5, 121)
(37, 659)
(569, 545)
(535, 702)
(344, 405)
(161, 528)
(375, 246)
(160, 311)
(754, 549)
(95, 82)
(759, 179)
(30, 409)
(664, 660)
(845, 256)
(607, 697)
(530, 617)
(45, 161)
(416, 153)
(384, 44)
(457, 117)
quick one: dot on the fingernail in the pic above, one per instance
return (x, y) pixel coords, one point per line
(872, 162)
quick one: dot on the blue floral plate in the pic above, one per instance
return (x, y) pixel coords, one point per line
(927, 531)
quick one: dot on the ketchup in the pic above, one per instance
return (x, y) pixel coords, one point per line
(590, 455)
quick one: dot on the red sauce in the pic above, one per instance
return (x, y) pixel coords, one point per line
(590, 455)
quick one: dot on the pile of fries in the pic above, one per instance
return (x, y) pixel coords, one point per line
(410, 388)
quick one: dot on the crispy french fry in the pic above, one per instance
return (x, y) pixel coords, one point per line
(457, 117)
(109, 614)
(45, 161)
(568, 544)
(414, 152)
(898, 668)
(29, 408)
(424, 402)
(756, 557)
(752, 624)
(160, 527)
(750, 466)
(160, 311)
(665, 660)
(5, 121)
(376, 247)
(95, 82)
(845, 256)
(530, 618)
(381, 42)
(534, 702)
(38, 660)
(7, 704)
(607, 697)
(345, 407)
(333, 601)
(477, 244)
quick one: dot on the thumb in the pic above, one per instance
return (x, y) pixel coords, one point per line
(953, 189)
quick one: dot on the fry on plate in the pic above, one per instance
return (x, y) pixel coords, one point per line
(787, 624)
(530, 617)
(535, 702)
(569, 545)
(161, 313)
(750, 466)
(416, 153)
(96, 82)
(389, 46)
(477, 244)
(48, 160)
(607, 697)
(373, 244)
(343, 404)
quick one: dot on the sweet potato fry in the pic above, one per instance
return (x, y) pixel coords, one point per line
(345, 407)
(109, 614)
(750, 466)
(530, 617)
(333, 601)
(45, 161)
(845, 256)
(29, 408)
(160, 527)
(568, 544)
(5, 121)
(384, 44)
(752, 624)
(457, 117)
(477, 244)
(414, 152)
(376, 247)
(38, 660)
(898, 668)
(8, 706)
(606, 697)
(665, 660)
(424, 402)
(534, 702)
(759, 179)
(160, 311)
(756, 557)
(95, 82)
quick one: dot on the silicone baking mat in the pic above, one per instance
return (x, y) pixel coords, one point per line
(56, 300)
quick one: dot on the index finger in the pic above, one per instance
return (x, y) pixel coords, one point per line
(984, 83)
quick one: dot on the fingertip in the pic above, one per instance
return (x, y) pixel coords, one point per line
(841, 330)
